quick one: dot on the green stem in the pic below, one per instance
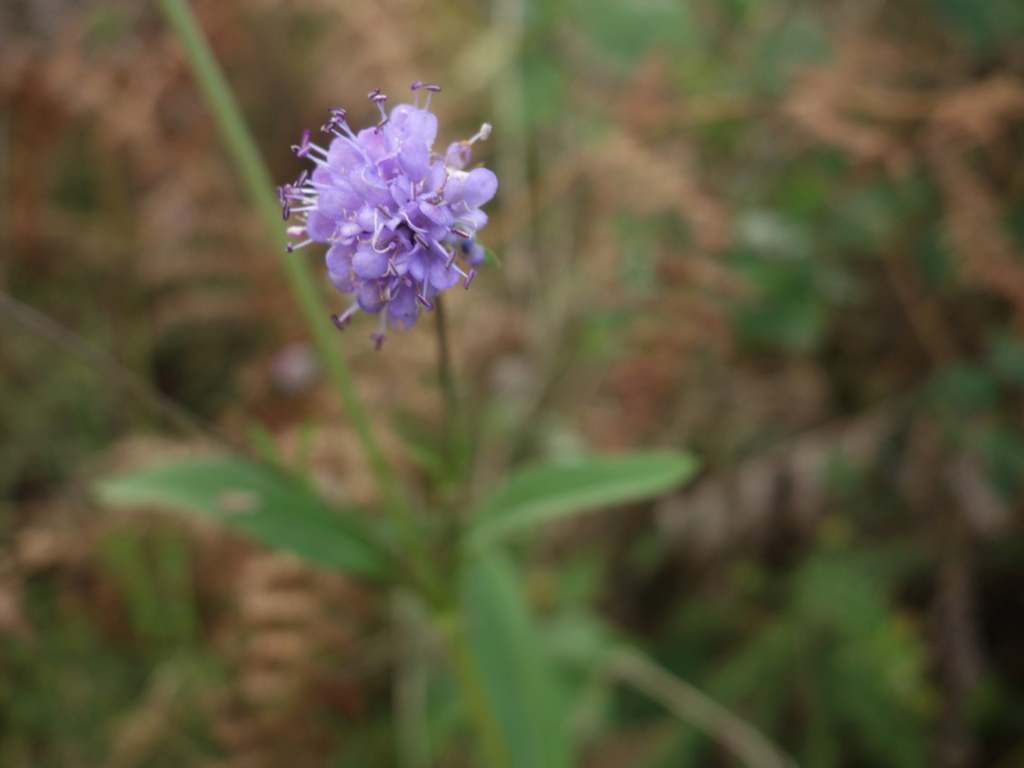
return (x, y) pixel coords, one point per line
(456, 429)
(444, 368)
(259, 185)
(694, 707)
(474, 695)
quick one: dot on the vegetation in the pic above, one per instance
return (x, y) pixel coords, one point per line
(784, 238)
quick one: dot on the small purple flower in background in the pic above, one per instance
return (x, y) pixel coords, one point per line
(400, 219)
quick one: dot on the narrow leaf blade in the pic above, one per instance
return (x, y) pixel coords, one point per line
(517, 672)
(257, 501)
(542, 494)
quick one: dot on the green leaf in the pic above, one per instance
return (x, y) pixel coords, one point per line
(551, 492)
(518, 676)
(491, 257)
(257, 501)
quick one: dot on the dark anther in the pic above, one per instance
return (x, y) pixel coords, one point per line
(338, 322)
(337, 119)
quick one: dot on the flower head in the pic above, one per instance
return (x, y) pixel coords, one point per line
(400, 220)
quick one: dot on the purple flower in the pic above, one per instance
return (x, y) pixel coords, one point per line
(400, 219)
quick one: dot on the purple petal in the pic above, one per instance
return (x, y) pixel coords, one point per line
(319, 227)
(474, 188)
(367, 218)
(414, 158)
(402, 309)
(415, 124)
(440, 276)
(375, 143)
(339, 259)
(423, 125)
(458, 155)
(368, 184)
(403, 259)
(369, 297)
(342, 157)
(368, 264)
(437, 214)
(417, 263)
(399, 114)
(473, 219)
(338, 201)
(400, 191)
(343, 283)
(347, 229)
(437, 177)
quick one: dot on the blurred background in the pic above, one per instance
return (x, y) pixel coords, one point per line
(787, 234)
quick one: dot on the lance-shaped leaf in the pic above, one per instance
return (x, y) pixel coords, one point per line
(517, 673)
(257, 501)
(542, 494)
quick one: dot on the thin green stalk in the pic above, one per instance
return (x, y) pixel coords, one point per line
(259, 185)
(694, 707)
(456, 429)
(467, 673)
(444, 368)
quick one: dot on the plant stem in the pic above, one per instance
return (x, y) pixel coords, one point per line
(453, 427)
(692, 706)
(456, 430)
(444, 366)
(259, 185)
